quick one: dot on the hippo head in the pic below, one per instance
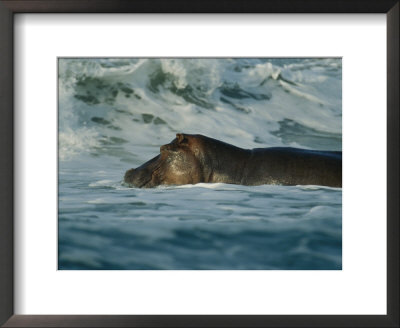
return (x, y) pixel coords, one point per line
(178, 163)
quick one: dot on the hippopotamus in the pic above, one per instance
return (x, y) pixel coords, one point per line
(191, 159)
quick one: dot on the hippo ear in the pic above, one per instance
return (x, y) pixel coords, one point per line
(181, 138)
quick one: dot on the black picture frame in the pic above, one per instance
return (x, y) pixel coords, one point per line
(10, 7)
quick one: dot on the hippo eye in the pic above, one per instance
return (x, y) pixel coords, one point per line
(181, 138)
(172, 147)
(184, 141)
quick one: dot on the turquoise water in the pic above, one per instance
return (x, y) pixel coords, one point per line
(114, 114)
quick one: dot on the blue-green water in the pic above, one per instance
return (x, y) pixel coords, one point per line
(114, 114)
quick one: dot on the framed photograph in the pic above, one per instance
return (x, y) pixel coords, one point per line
(199, 165)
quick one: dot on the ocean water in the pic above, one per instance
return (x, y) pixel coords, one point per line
(115, 113)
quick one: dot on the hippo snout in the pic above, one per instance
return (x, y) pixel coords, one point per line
(128, 178)
(137, 177)
(134, 177)
(142, 176)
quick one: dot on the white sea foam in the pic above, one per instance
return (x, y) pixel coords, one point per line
(101, 183)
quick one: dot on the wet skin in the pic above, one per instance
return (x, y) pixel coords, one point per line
(191, 159)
